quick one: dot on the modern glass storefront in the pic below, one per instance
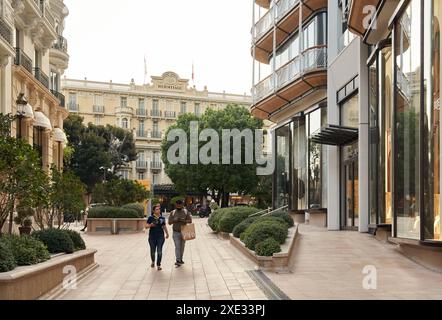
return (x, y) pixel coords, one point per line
(301, 165)
(404, 101)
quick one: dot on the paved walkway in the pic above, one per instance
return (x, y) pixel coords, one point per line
(213, 270)
(328, 265)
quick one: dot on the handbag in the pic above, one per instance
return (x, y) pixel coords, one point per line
(188, 232)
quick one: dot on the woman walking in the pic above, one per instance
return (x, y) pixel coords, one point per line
(157, 229)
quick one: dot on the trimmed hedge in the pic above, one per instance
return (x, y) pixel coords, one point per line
(56, 240)
(114, 213)
(214, 218)
(7, 260)
(261, 230)
(27, 250)
(241, 227)
(267, 247)
(76, 239)
(138, 207)
(234, 216)
(286, 217)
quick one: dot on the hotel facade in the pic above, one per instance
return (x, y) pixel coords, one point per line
(353, 90)
(147, 111)
(33, 56)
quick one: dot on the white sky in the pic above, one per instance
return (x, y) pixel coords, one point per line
(107, 39)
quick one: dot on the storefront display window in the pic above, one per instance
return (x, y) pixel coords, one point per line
(282, 174)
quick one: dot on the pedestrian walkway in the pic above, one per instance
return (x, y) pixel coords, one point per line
(213, 270)
(329, 265)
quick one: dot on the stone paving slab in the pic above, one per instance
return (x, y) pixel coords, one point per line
(213, 270)
(329, 265)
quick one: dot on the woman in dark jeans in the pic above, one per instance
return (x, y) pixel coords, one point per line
(157, 229)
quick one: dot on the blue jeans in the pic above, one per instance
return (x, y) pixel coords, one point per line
(156, 245)
(179, 245)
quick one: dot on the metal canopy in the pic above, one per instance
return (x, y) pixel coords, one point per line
(333, 135)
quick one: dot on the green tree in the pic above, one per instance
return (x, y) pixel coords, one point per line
(22, 180)
(216, 180)
(119, 192)
(93, 150)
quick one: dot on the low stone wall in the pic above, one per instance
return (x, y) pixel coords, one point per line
(279, 262)
(114, 226)
(31, 282)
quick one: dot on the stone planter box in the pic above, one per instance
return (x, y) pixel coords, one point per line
(279, 262)
(114, 226)
(31, 282)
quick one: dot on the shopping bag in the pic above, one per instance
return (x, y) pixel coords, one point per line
(188, 232)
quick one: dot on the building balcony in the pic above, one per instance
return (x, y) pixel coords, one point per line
(42, 77)
(156, 135)
(141, 134)
(60, 98)
(292, 81)
(155, 113)
(21, 59)
(6, 48)
(170, 114)
(156, 165)
(73, 107)
(285, 16)
(98, 109)
(58, 54)
(141, 112)
(124, 110)
(141, 165)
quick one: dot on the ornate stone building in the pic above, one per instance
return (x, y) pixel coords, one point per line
(33, 56)
(146, 110)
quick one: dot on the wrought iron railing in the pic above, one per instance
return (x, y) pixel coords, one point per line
(264, 24)
(61, 44)
(156, 165)
(21, 59)
(98, 109)
(156, 135)
(142, 164)
(155, 113)
(142, 112)
(285, 6)
(73, 106)
(60, 98)
(141, 134)
(5, 31)
(170, 114)
(42, 77)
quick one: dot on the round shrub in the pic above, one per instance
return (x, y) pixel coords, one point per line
(241, 227)
(76, 239)
(114, 213)
(234, 216)
(138, 207)
(261, 230)
(214, 218)
(28, 250)
(56, 240)
(267, 247)
(285, 216)
(7, 260)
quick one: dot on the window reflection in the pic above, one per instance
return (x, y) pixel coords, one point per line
(282, 166)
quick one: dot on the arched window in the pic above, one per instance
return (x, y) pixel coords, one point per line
(124, 123)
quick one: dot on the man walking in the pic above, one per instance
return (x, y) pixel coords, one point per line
(178, 218)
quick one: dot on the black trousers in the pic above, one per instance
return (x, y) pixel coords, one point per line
(156, 246)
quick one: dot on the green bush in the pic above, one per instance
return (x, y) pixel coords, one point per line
(113, 212)
(261, 230)
(234, 216)
(56, 240)
(285, 216)
(241, 227)
(214, 218)
(138, 207)
(7, 260)
(76, 239)
(267, 247)
(27, 250)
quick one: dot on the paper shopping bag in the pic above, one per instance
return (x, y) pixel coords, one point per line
(188, 232)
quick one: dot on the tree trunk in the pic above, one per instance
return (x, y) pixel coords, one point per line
(225, 199)
(11, 220)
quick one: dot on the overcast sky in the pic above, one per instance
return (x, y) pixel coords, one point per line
(108, 39)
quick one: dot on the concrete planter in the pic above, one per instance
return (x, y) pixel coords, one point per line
(279, 262)
(31, 282)
(115, 226)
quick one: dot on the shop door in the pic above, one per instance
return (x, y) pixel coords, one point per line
(351, 194)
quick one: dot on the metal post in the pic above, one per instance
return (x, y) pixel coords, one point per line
(272, 13)
(254, 52)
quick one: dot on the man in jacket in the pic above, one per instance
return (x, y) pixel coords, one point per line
(179, 218)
